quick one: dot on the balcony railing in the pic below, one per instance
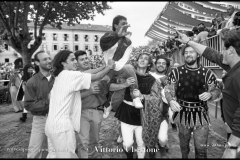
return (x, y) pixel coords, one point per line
(216, 43)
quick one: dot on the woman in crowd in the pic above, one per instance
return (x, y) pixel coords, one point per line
(28, 72)
(144, 122)
(15, 79)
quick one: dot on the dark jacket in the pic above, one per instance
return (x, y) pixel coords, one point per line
(231, 91)
(36, 94)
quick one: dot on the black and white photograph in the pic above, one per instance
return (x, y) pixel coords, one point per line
(119, 79)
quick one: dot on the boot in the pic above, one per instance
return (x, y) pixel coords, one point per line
(129, 154)
(163, 151)
(24, 117)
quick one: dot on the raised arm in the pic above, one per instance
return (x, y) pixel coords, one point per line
(209, 53)
(119, 86)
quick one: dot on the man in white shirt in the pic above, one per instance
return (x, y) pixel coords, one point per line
(65, 103)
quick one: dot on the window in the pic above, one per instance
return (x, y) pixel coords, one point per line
(86, 47)
(65, 37)
(43, 36)
(6, 59)
(76, 47)
(86, 38)
(76, 37)
(6, 46)
(66, 47)
(96, 38)
(55, 47)
(54, 36)
(95, 49)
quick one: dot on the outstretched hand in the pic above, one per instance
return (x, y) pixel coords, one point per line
(183, 38)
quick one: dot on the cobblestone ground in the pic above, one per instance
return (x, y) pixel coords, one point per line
(14, 138)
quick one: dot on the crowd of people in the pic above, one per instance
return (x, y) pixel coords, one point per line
(201, 33)
(70, 95)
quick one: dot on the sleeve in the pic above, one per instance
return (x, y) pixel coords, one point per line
(79, 80)
(108, 40)
(31, 102)
(170, 88)
(155, 94)
(212, 86)
(215, 57)
(236, 116)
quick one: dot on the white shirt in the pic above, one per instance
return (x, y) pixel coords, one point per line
(65, 101)
(157, 76)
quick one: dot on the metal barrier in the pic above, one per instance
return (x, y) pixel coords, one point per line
(216, 43)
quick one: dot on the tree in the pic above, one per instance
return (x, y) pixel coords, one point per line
(15, 16)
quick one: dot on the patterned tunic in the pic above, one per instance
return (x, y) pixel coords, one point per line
(189, 84)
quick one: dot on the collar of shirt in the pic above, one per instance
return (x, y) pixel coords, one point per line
(41, 76)
(232, 70)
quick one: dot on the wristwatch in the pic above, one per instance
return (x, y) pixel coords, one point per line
(230, 146)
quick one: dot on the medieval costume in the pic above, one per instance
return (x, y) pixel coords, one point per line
(188, 84)
(144, 122)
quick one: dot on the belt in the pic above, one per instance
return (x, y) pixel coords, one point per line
(191, 104)
(128, 102)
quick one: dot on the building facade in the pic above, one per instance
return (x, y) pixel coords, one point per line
(78, 37)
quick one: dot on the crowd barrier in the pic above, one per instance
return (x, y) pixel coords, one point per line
(216, 43)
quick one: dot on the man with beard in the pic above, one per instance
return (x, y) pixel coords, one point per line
(36, 101)
(194, 85)
(162, 67)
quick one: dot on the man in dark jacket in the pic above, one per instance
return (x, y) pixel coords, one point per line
(37, 102)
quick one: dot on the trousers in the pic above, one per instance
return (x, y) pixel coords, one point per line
(200, 135)
(89, 132)
(127, 135)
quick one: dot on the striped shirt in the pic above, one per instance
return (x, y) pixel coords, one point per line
(65, 101)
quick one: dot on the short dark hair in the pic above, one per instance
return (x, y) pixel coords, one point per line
(232, 38)
(150, 62)
(163, 57)
(36, 55)
(60, 57)
(166, 59)
(116, 21)
(79, 53)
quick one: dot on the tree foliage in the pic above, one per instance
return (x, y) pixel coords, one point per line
(15, 16)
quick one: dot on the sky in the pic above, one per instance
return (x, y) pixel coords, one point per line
(140, 15)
